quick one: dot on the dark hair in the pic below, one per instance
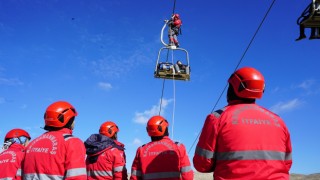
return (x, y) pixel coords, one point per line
(68, 125)
(231, 95)
(157, 138)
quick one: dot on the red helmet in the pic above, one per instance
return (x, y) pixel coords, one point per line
(108, 129)
(247, 82)
(59, 113)
(177, 16)
(16, 133)
(157, 126)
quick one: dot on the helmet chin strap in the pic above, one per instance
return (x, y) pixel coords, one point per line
(22, 140)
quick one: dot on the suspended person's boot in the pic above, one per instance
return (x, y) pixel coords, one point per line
(302, 35)
(176, 43)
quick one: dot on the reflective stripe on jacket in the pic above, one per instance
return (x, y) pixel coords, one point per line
(163, 159)
(244, 141)
(10, 162)
(55, 155)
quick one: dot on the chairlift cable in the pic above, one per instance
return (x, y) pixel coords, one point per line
(164, 80)
(174, 7)
(245, 52)
(243, 55)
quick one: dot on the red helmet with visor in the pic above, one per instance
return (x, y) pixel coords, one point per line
(247, 82)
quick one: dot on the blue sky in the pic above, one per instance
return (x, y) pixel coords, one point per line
(100, 56)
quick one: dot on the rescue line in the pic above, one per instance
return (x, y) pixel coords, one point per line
(178, 68)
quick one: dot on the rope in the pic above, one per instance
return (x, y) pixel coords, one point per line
(174, 7)
(174, 95)
(245, 52)
(174, 99)
(163, 82)
(243, 55)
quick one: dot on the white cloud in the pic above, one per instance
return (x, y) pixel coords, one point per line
(11, 82)
(309, 87)
(286, 106)
(116, 64)
(143, 117)
(307, 84)
(275, 90)
(104, 86)
(137, 142)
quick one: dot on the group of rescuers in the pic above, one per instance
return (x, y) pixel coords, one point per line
(242, 141)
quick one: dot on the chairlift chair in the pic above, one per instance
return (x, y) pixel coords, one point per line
(310, 17)
(166, 69)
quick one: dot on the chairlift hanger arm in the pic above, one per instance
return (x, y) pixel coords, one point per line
(162, 30)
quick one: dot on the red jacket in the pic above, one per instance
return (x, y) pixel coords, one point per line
(108, 161)
(55, 155)
(163, 159)
(244, 141)
(10, 162)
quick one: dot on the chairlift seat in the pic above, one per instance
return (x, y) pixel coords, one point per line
(166, 70)
(312, 21)
(310, 17)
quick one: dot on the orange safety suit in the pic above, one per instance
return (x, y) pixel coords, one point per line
(106, 158)
(55, 155)
(163, 159)
(244, 141)
(10, 162)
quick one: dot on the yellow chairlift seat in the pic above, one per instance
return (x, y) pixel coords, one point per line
(167, 70)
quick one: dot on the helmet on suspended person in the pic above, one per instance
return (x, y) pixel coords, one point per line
(59, 114)
(109, 129)
(16, 133)
(157, 126)
(247, 82)
(176, 16)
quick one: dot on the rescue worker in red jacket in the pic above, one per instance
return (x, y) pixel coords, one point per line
(12, 157)
(106, 158)
(244, 140)
(56, 154)
(162, 158)
(174, 25)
